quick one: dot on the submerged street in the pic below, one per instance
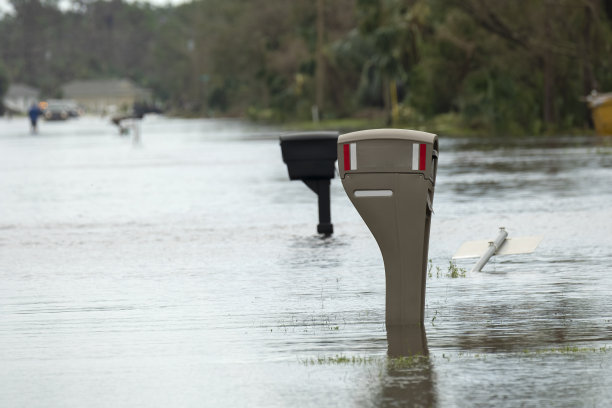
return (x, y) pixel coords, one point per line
(186, 271)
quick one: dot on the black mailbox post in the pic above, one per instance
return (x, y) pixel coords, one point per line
(310, 157)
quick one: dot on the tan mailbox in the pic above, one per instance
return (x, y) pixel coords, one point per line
(389, 175)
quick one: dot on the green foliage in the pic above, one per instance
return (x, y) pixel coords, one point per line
(454, 271)
(339, 359)
(567, 350)
(392, 363)
(463, 66)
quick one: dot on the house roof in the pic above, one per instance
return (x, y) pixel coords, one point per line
(21, 91)
(100, 88)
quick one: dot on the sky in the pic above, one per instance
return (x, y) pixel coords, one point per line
(6, 7)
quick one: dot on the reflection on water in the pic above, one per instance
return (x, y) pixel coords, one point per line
(186, 273)
(409, 376)
(412, 385)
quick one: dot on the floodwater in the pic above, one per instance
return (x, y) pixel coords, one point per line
(186, 272)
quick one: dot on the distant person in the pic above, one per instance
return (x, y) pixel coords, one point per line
(34, 113)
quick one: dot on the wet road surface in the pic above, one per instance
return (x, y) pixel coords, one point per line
(187, 272)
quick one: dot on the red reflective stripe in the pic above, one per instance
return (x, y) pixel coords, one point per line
(347, 156)
(422, 156)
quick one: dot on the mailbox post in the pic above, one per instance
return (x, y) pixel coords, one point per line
(389, 175)
(310, 157)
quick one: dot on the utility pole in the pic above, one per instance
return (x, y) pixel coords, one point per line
(320, 77)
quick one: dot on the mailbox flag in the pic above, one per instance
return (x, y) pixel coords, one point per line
(419, 156)
(350, 156)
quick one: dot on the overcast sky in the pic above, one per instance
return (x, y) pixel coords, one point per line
(5, 5)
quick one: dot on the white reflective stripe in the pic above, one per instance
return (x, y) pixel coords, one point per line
(353, 156)
(373, 193)
(415, 156)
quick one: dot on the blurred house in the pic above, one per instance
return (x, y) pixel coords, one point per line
(107, 95)
(19, 97)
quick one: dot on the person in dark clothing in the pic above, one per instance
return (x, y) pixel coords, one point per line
(34, 113)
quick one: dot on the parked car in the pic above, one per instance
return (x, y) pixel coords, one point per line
(60, 109)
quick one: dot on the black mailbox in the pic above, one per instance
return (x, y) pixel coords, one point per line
(310, 157)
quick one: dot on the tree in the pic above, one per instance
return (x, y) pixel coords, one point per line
(561, 41)
(4, 83)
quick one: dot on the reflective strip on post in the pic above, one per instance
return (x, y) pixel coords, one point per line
(423, 158)
(350, 156)
(419, 156)
(353, 156)
(347, 157)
